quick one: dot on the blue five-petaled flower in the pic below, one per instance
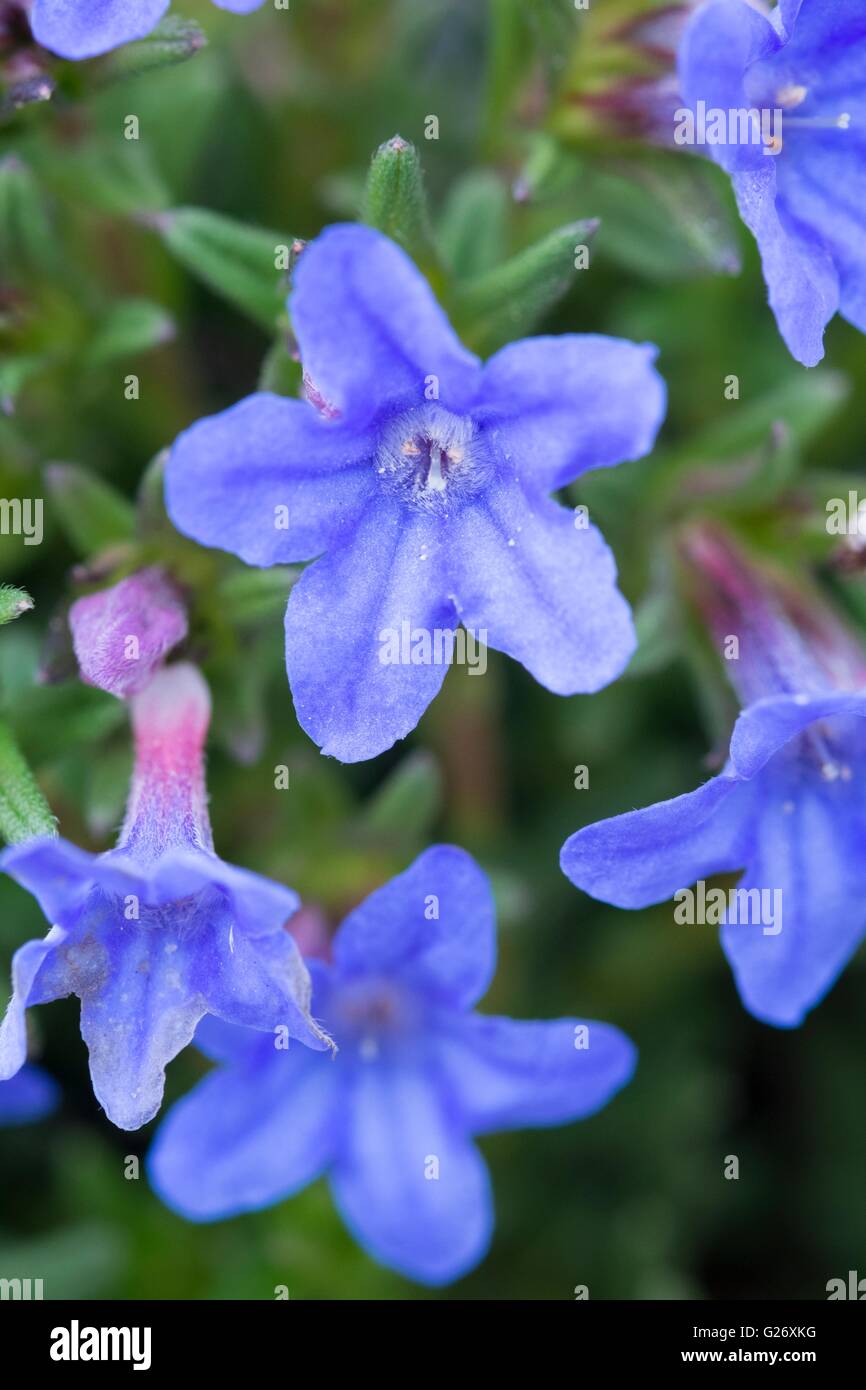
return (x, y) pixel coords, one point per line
(85, 28)
(159, 931)
(417, 1074)
(788, 807)
(800, 192)
(420, 477)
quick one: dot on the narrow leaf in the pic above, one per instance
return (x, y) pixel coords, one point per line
(24, 812)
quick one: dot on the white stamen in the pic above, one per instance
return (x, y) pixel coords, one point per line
(791, 96)
(435, 477)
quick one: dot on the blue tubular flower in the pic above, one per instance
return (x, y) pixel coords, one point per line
(85, 28)
(424, 477)
(787, 809)
(28, 1096)
(806, 60)
(159, 931)
(417, 1074)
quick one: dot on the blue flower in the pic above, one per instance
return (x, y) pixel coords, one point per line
(788, 807)
(423, 477)
(85, 28)
(159, 931)
(417, 1075)
(797, 189)
(28, 1096)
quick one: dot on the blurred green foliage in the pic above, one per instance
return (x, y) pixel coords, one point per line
(153, 258)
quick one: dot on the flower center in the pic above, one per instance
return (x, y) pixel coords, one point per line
(429, 457)
(372, 1014)
(786, 99)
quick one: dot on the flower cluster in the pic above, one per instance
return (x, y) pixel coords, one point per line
(417, 1075)
(422, 492)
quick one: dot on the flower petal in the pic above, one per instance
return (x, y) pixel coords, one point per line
(269, 480)
(721, 41)
(815, 188)
(561, 405)
(28, 1096)
(409, 1183)
(434, 926)
(248, 1136)
(769, 724)
(58, 874)
(530, 582)
(511, 1074)
(645, 856)
(802, 281)
(84, 28)
(239, 6)
(356, 688)
(27, 989)
(807, 847)
(370, 332)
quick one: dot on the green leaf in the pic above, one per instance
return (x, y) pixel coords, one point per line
(24, 812)
(803, 401)
(473, 225)
(241, 263)
(281, 371)
(13, 602)
(81, 1261)
(507, 302)
(111, 175)
(27, 241)
(15, 372)
(407, 804)
(248, 596)
(665, 216)
(151, 516)
(395, 201)
(51, 719)
(659, 634)
(749, 483)
(131, 326)
(174, 40)
(92, 514)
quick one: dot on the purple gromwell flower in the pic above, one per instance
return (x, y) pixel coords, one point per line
(795, 163)
(86, 28)
(159, 931)
(28, 1096)
(417, 1075)
(787, 809)
(122, 634)
(420, 477)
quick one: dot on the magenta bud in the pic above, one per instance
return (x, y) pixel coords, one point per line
(775, 635)
(121, 635)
